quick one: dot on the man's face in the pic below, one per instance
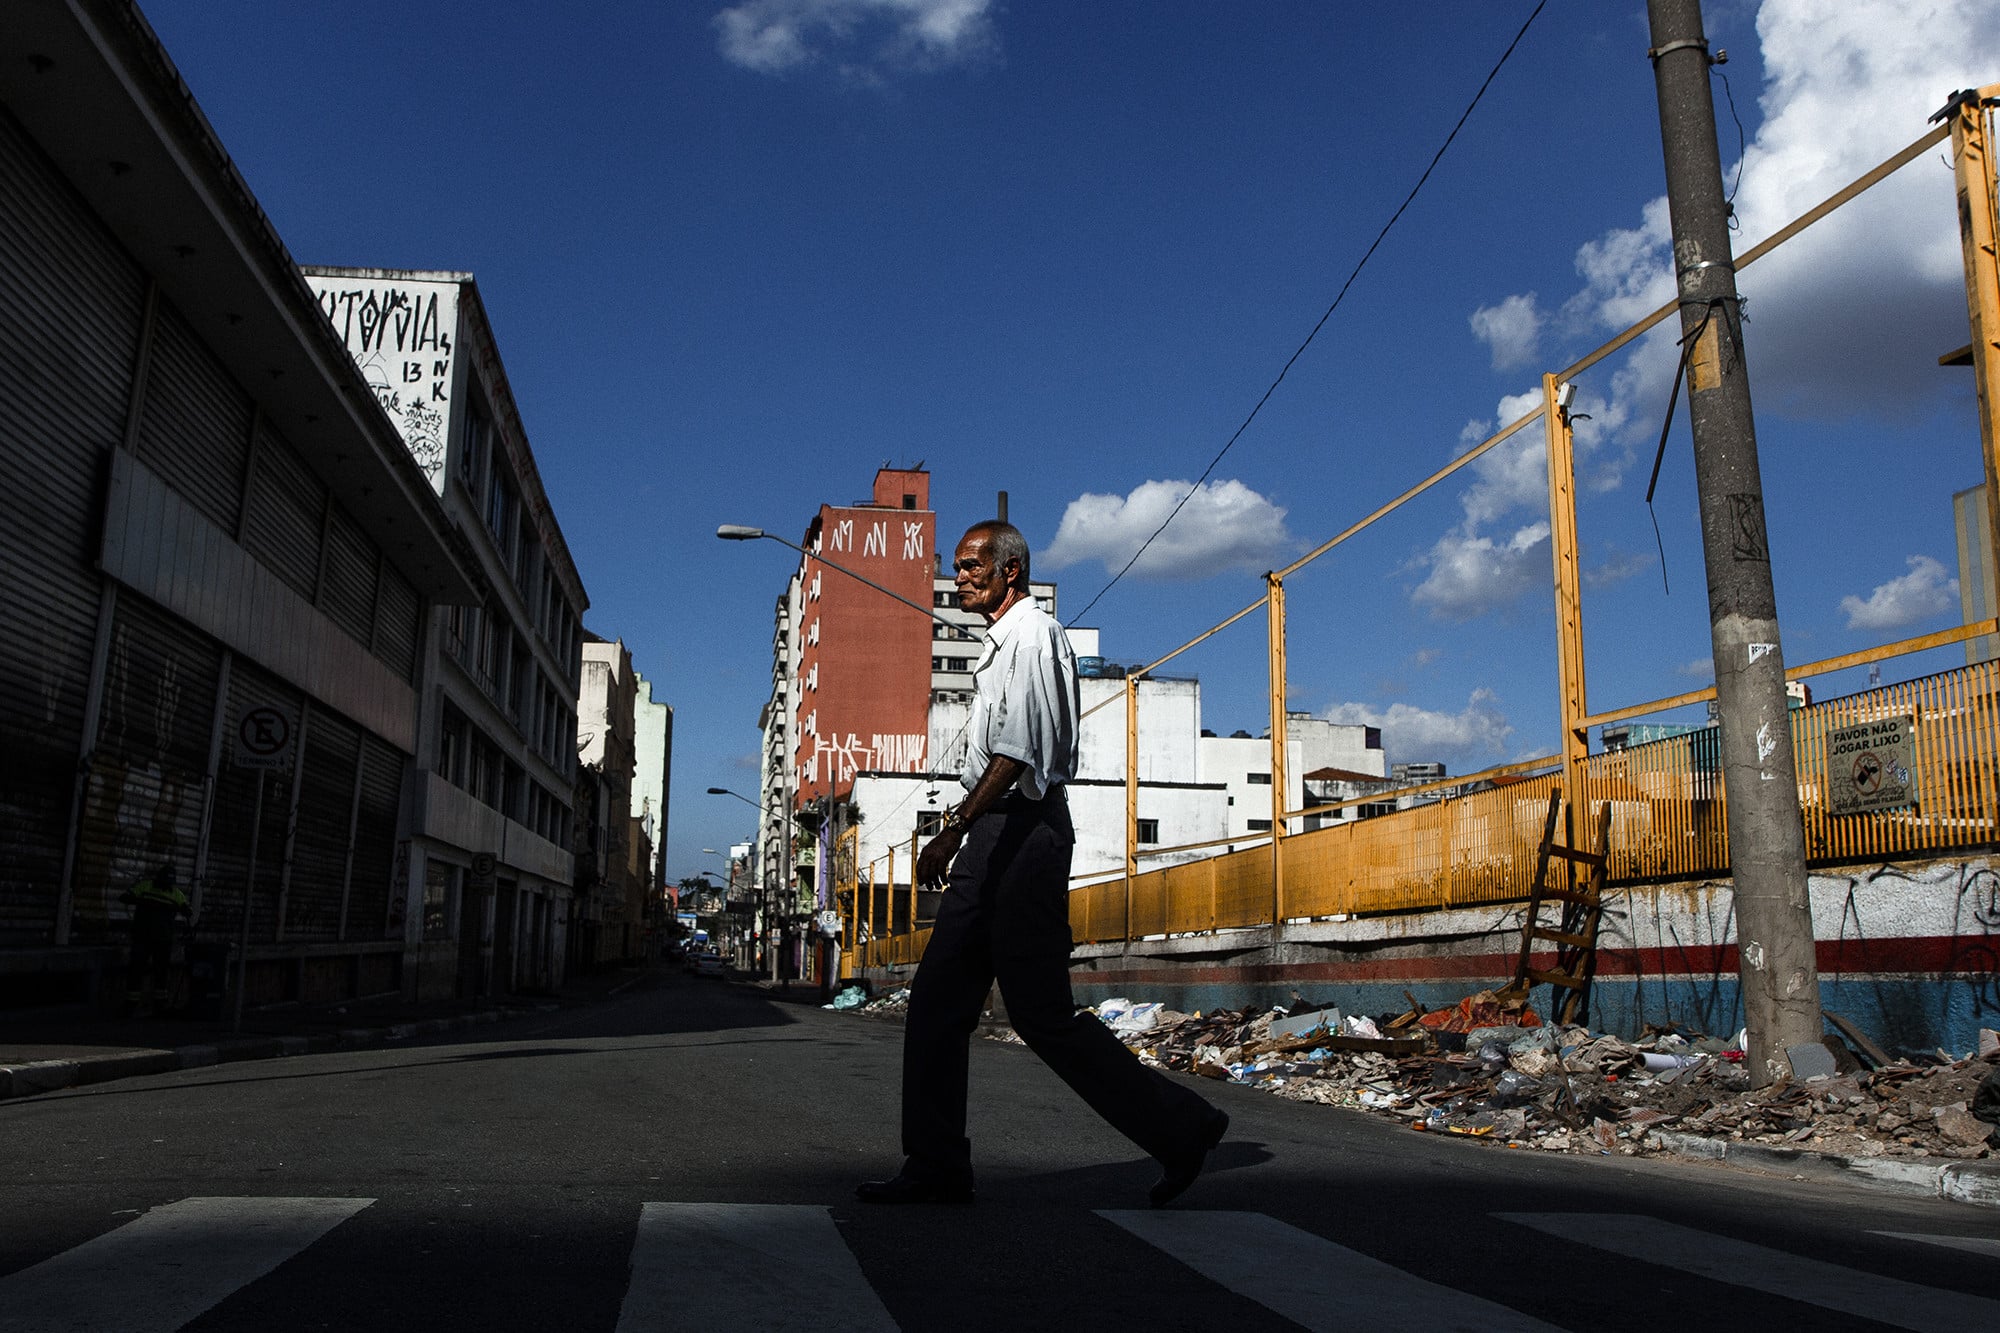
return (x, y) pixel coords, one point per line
(982, 584)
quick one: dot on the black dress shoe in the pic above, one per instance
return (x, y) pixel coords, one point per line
(901, 1188)
(1184, 1166)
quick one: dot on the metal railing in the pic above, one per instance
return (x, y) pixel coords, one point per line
(1478, 843)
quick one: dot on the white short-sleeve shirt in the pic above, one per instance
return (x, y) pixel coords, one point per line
(1026, 701)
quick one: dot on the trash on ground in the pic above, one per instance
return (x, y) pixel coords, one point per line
(1488, 1068)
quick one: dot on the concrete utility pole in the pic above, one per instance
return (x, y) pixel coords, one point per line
(1774, 931)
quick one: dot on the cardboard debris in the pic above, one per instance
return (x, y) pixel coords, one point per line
(1489, 1069)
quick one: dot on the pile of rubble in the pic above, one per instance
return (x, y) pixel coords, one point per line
(1489, 1068)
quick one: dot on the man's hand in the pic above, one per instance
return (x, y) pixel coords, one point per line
(934, 862)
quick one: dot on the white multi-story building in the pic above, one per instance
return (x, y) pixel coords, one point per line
(488, 823)
(1242, 763)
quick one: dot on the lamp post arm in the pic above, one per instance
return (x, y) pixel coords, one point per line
(736, 533)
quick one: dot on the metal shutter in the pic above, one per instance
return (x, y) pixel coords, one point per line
(287, 506)
(347, 588)
(398, 622)
(146, 791)
(70, 309)
(382, 767)
(195, 429)
(319, 847)
(235, 801)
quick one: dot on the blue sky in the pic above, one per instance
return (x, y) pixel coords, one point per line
(737, 257)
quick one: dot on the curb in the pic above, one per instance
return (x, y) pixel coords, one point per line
(1976, 1183)
(39, 1076)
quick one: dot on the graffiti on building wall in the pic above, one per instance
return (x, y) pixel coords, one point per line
(875, 536)
(836, 759)
(400, 335)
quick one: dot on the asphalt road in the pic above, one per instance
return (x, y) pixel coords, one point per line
(683, 1157)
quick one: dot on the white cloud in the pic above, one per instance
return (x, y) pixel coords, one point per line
(1224, 525)
(1616, 568)
(1472, 575)
(1845, 86)
(861, 39)
(1700, 668)
(1512, 329)
(1464, 740)
(1922, 594)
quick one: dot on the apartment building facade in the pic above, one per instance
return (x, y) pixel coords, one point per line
(488, 818)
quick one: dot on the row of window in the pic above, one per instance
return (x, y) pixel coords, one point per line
(484, 472)
(951, 664)
(469, 760)
(506, 670)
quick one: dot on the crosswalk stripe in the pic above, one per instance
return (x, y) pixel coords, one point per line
(719, 1267)
(1970, 1244)
(1740, 1263)
(161, 1270)
(1311, 1281)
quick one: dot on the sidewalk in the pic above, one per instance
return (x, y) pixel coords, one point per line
(63, 1048)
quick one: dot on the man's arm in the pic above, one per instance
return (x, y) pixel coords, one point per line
(1002, 772)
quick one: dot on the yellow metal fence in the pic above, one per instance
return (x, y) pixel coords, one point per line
(1668, 822)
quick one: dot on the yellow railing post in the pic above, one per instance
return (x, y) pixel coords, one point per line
(892, 887)
(1972, 147)
(1274, 597)
(1131, 796)
(913, 880)
(1569, 596)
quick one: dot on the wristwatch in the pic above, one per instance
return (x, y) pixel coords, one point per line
(954, 819)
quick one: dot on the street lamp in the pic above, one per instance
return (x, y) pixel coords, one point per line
(764, 888)
(736, 532)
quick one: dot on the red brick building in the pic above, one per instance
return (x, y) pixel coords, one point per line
(863, 679)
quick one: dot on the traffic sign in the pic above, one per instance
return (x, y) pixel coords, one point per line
(485, 871)
(264, 740)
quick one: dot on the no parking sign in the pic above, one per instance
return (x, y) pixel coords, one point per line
(264, 740)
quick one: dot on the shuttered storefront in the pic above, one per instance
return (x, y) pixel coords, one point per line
(325, 811)
(347, 578)
(375, 842)
(144, 800)
(70, 310)
(235, 802)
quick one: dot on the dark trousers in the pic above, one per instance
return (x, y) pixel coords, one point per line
(152, 951)
(1005, 917)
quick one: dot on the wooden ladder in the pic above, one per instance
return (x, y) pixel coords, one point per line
(1575, 937)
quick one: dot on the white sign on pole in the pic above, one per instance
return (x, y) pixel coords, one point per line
(264, 740)
(1870, 766)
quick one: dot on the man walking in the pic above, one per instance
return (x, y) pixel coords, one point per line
(1005, 911)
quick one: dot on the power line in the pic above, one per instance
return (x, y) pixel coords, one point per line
(1338, 298)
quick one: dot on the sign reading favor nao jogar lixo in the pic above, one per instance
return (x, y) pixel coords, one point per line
(1871, 766)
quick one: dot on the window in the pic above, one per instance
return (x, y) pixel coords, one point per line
(909, 501)
(520, 676)
(1260, 826)
(501, 512)
(438, 882)
(451, 746)
(473, 453)
(1149, 832)
(490, 643)
(1263, 779)
(512, 780)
